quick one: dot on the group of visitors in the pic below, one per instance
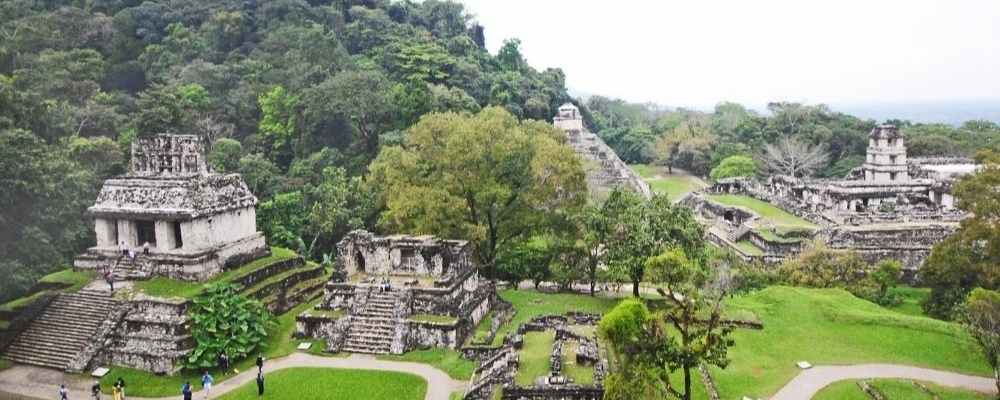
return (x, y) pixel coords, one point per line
(187, 391)
(385, 286)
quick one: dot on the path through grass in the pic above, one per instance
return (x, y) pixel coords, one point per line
(328, 383)
(830, 326)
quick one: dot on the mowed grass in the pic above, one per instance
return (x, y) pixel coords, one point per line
(530, 303)
(581, 374)
(674, 186)
(895, 389)
(913, 299)
(325, 383)
(830, 326)
(447, 360)
(165, 287)
(144, 384)
(535, 357)
(767, 212)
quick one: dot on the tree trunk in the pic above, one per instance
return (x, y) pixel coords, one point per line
(635, 288)
(591, 288)
(687, 383)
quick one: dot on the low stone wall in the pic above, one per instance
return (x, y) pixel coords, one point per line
(268, 271)
(560, 392)
(910, 244)
(771, 247)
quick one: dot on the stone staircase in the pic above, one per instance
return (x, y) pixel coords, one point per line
(373, 325)
(58, 336)
(739, 233)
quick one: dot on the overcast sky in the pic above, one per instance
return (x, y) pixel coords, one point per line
(699, 52)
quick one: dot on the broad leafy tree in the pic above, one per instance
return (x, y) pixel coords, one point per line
(981, 316)
(734, 167)
(485, 177)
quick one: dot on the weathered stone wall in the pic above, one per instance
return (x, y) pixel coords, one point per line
(909, 244)
(168, 154)
(362, 251)
(153, 336)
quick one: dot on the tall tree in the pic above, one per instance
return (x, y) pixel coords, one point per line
(793, 157)
(485, 177)
(981, 316)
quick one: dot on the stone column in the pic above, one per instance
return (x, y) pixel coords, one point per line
(127, 233)
(165, 236)
(106, 230)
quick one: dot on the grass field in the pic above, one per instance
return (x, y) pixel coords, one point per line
(749, 248)
(581, 374)
(674, 186)
(830, 326)
(68, 279)
(913, 299)
(322, 384)
(534, 357)
(165, 287)
(279, 344)
(767, 212)
(447, 360)
(894, 389)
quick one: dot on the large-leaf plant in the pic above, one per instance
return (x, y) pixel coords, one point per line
(225, 321)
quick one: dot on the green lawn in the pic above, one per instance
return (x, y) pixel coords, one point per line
(323, 383)
(894, 389)
(674, 186)
(581, 374)
(529, 304)
(749, 248)
(144, 384)
(456, 396)
(767, 212)
(165, 287)
(447, 360)
(535, 356)
(483, 329)
(830, 326)
(913, 299)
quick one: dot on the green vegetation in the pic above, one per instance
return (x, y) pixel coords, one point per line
(329, 383)
(4, 364)
(581, 374)
(447, 360)
(775, 237)
(225, 322)
(67, 281)
(737, 166)
(483, 329)
(456, 396)
(767, 212)
(749, 248)
(529, 304)
(535, 357)
(674, 186)
(895, 389)
(165, 287)
(436, 319)
(830, 326)
(912, 300)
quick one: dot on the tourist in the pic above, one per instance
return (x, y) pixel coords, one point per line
(121, 385)
(186, 390)
(206, 382)
(95, 391)
(123, 248)
(260, 384)
(116, 392)
(224, 363)
(63, 393)
(260, 363)
(131, 255)
(145, 249)
(110, 280)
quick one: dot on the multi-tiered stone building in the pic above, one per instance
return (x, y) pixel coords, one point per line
(605, 170)
(392, 294)
(194, 222)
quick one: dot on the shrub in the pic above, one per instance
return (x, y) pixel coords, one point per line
(225, 321)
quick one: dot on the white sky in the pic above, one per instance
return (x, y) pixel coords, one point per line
(699, 52)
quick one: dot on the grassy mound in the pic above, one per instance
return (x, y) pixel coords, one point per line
(447, 360)
(767, 212)
(894, 389)
(165, 287)
(830, 326)
(322, 384)
(674, 186)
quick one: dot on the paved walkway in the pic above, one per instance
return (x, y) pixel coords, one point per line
(41, 382)
(805, 385)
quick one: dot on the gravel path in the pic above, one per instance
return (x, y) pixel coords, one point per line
(41, 382)
(805, 385)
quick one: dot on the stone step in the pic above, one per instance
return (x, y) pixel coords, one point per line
(58, 359)
(55, 327)
(57, 363)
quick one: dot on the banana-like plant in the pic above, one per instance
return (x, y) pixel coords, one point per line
(225, 321)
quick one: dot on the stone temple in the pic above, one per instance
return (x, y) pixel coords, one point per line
(194, 221)
(435, 296)
(605, 170)
(891, 206)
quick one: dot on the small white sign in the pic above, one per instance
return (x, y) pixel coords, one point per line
(100, 372)
(305, 345)
(804, 365)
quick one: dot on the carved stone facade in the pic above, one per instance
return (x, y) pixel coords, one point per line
(193, 222)
(604, 169)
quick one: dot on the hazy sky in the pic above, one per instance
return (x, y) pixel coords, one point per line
(700, 52)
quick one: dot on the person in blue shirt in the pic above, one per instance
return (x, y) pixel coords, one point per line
(186, 390)
(206, 382)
